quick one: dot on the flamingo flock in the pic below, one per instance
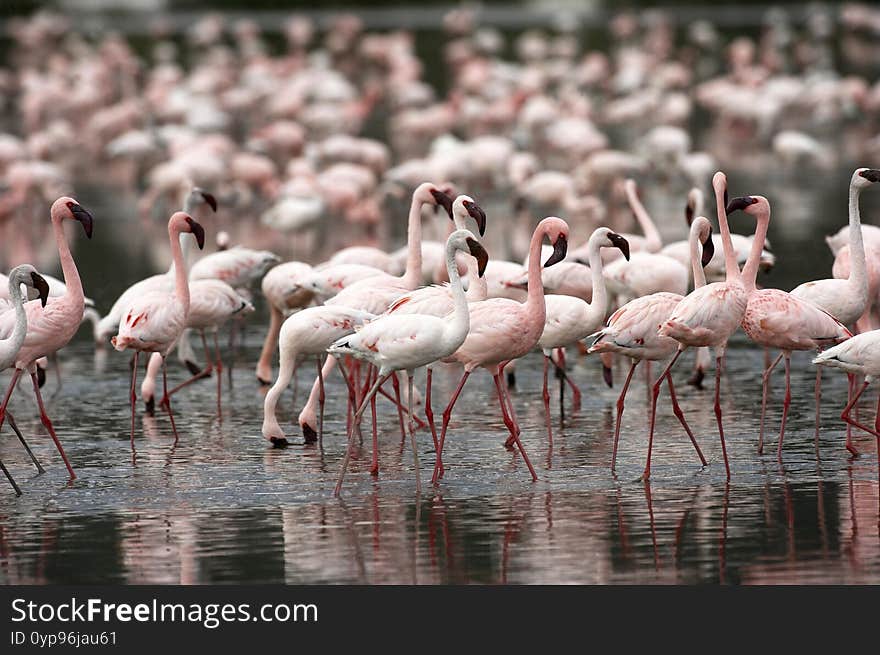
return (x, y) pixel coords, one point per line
(526, 231)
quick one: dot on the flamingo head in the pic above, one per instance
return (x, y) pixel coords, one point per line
(183, 222)
(36, 285)
(557, 231)
(465, 206)
(864, 177)
(694, 199)
(200, 195)
(719, 184)
(441, 199)
(745, 203)
(620, 243)
(69, 208)
(479, 253)
(702, 228)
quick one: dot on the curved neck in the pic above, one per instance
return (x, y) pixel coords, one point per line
(858, 274)
(652, 235)
(412, 277)
(598, 306)
(730, 266)
(750, 270)
(181, 286)
(187, 241)
(696, 260)
(14, 341)
(536, 285)
(68, 266)
(460, 324)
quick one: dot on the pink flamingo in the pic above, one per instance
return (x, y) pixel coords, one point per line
(776, 319)
(708, 316)
(50, 328)
(632, 331)
(396, 342)
(502, 329)
(569, 319)
(154, 321)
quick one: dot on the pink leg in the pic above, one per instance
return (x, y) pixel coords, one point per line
(766, 387)
(133, 394)
(620, 399)
(374, 466)
(575, 391)
(546, 396)
(429, 410)
(785, 405)
(46, 422)
(419, 422)
(205, 372)
(818, 392)
(396, 384)
(676, 409)
(849, 407)
(218, 362)
(447, 414)
(718, 365)
(412, 433)
(850, 446)
(9, 390)
(353, 431)
(321, 399)
(511, 424)
(655, 392)
(166, 400)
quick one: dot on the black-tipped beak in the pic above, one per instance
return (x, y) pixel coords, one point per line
(708, 250)
(739, 203)
(870, 174)
(198, 231)
(689, 213)
(620, 243)
(84, 217)
(479, 252)
(210, 199)
(476, 213)
(560, 249)
(443, 200)
(41, 286)
(726, 197)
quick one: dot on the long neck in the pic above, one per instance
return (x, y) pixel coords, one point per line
(535, 299)
(598, 306)
(181, 286)
(460, 324)
(413, 275)
(730, 266)
(696, 261)
(14, 341)
(652, 235)
(68, 266)
(186, 240)
(858, 275)
(750, 270)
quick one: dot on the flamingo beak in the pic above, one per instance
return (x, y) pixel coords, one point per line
(443, 200)
(476, 213)
(708, 250)
(871, 174)
(560, 249)
(198, 231)
(81, 215)
(739, 203)
(41, 286)
(620, 243)
(689, 213)
(210, 199)
(479, 252)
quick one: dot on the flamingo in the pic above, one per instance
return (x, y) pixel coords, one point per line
(708, 316)
(632, 331)
(308, 333)
(569, 319)
(50, 327)
(154, 321)
(26, 275)
(776, 319)
(859, 355)
(396, 342)
(502, 330)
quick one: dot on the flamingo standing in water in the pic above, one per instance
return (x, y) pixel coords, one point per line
(502, 330)
(396, 342)
(632, 331)
(708, 316)
(776, 319)
(21, 275)
(50, 327)
(154, 321)
(569, 319)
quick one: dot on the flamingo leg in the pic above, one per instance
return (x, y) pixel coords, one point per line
(132, 395)
(396, 384)
(205, 372)
(218, 362)
(447, 414)
(321, 399)
(679, 414)
(620, 401)
(575, 390)
(166, 400)
(412, 434)
(12, 384)
(48, 423)
(655, 392)
(374, 466)
(785, 405)
(419, 422)
(24, 443)
(818, 392)
(545, 394)
(10, 478)
(849, 407)
(850, 446)
(352, 432)
(429, 411)
(719, 363)
(561, 367)
(765, 383)
(511, 424)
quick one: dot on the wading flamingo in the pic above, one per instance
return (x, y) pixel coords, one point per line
(154, 321)
(502, 330)
(50, 327)
(397, 342)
